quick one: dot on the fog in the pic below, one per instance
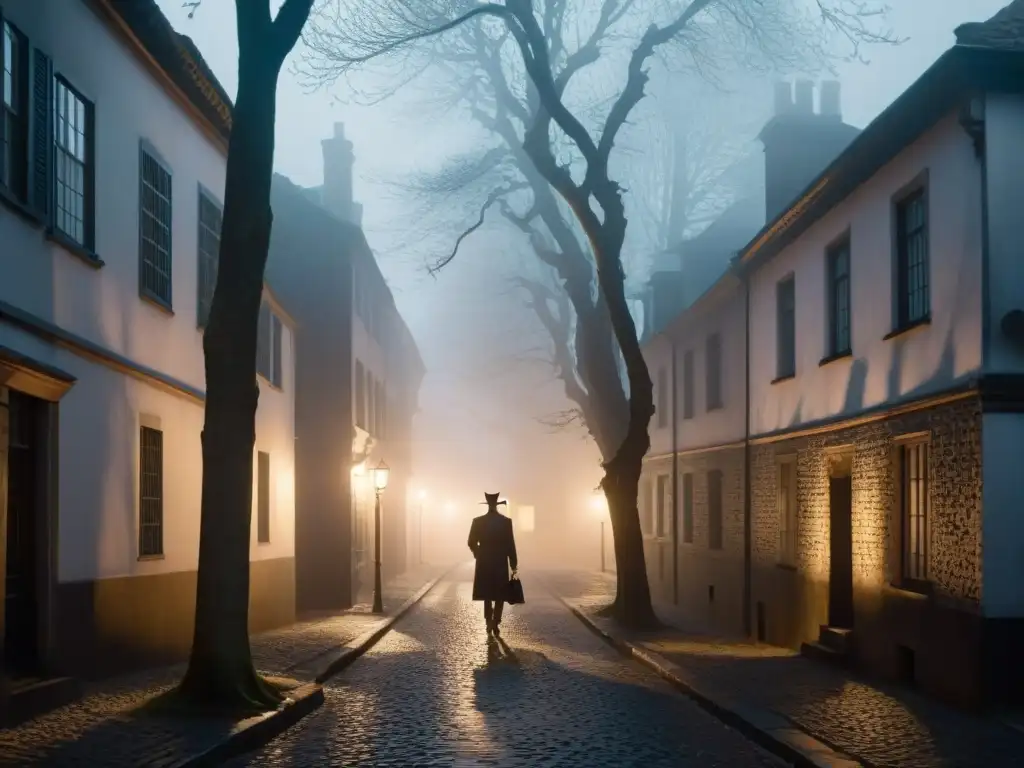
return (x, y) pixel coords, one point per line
(492, 390)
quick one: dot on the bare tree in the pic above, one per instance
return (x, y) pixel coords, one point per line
(575, 161)
(220, 669)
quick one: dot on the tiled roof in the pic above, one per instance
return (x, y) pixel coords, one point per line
(1004, 31)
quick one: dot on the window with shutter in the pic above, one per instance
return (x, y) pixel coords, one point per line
(73, 164)
(210, 218)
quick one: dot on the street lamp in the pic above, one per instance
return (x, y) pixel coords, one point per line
(380, 482)
(421, 495)
(599, 504)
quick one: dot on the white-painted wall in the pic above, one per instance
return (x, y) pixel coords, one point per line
(1004, 138)
(926, 359)
(100, 415)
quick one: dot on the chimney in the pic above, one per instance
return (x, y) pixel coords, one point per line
(829, 97)
(804, 97)
(800, 144)
(783, 97)
(338, 161)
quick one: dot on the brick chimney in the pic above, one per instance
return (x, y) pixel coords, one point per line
(799, 143)
(337, 191)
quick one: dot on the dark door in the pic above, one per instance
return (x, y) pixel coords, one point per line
(21, 631)
(840, 584)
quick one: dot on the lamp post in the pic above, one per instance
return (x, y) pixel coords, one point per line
(380, 482)
(599, 504)
(419, 524)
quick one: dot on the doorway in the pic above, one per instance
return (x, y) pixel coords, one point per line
(840, 583)
(21, 644)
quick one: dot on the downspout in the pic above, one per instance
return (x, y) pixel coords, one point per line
(675, 483)
(747, 503)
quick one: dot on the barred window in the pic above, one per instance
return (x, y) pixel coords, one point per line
(688, 379)
(688, 508)
(914, 510)
(155, 229)
(151, 492)
(262, 497)
(913, 301)
(839, 298)
(210, 219)
(662, 501)
(73, 164)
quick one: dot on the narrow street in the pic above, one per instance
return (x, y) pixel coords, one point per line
(433, 692)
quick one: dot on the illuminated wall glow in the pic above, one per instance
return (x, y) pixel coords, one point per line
(525, 519)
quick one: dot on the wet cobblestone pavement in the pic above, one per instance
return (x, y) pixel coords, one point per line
(100, 729)
(433, 692)
(883, 726)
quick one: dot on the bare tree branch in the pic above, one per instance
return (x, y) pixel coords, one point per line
(490, 201)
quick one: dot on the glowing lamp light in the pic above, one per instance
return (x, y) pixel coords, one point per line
(421, 494)
(380, 476)
(598, 503)
(359, 470)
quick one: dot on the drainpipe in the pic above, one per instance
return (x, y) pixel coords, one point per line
(747, 504)
(675, 482)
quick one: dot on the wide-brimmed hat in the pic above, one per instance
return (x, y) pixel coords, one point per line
(491, 499)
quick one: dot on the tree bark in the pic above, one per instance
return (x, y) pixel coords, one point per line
(220, 671)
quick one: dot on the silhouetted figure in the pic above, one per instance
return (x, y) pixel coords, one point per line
(494, 547)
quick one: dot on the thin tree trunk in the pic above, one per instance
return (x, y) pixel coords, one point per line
(220, 671)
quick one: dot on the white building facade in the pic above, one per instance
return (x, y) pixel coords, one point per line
(882, 362)
(112, 176)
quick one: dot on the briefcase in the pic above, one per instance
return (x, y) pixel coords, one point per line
(515, 592)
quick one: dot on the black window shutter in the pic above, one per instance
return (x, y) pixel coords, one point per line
(41, 133)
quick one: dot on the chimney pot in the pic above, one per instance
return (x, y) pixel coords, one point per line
(805, 97)
(830, 99)
(339, 130)
(783, 97)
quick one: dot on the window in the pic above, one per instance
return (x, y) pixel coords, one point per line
(713, 355)
(661, 408)
(360, 396)
(151, 492)
(14, 125)
(715, 509)
(155, 229)
(688, 508)
(646, 508)
(787, 511)
(73, 164)
(371, 404)
(262, 497)
(688, 377)
(269, 331)
(381, 408)
(839, 298)
(912, 297)
(662, 501)
(785, 297)
(208, 248)
(914, 510)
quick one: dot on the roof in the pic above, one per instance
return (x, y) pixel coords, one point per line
(954, 76)
(1004, 31)
(178, 57)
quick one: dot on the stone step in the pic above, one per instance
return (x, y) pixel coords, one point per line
(27, 699)
(839, 640)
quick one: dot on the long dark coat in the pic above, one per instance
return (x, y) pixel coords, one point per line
(494, 547)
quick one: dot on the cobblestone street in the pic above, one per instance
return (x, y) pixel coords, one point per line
(434, 693)
(877, 724)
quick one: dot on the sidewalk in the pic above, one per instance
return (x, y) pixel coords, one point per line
(874, 724)
(103, 728)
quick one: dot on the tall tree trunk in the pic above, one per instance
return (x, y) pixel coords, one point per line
(220, 670)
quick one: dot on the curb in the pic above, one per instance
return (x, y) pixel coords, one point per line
(353, 649)
(260, 730)
(763, 726)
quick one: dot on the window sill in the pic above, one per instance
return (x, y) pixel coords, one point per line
(77, 250)
(149, 558)
(156, 302)
(275, 387)
(262, 543)
(784, 377)
(786, 567)
(715, 407)
(907, 328)
(835, 356)
(20, 208)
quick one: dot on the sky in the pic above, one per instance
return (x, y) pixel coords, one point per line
(466, 428)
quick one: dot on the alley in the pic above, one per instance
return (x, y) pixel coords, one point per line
(433, 693)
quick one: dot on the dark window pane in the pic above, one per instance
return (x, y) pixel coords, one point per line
(155, 226)
(151, 492)
(715, 509)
